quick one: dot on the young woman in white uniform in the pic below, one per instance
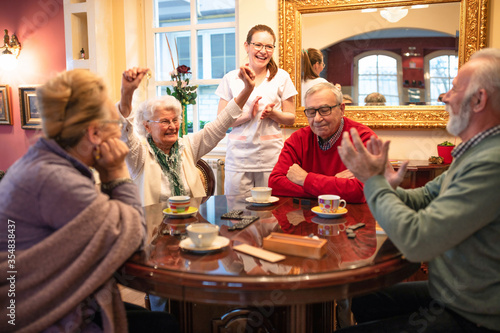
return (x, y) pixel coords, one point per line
(256, 140)
(312, 66)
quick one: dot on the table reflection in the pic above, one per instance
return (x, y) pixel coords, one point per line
(285, 216)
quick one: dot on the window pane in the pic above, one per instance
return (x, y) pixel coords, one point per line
(439, 66)
(171, 13)
(217, 41)
(388, 85)
(387, 65)
(438, 86)
(367, 65)
(392, 100)
(453, 66)
(208, 102)
(378, 73)
(213, 55)
(214, 11)
(162, 53)
(200, 58)
(367, 85)
(442, 71)
(216, 52)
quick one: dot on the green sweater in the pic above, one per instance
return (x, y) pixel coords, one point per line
(454, 223)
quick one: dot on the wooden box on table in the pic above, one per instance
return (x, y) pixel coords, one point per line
(295, 245)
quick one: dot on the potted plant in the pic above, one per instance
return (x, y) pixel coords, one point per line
(444, 150)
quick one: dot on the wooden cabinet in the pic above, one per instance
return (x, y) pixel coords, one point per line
(419, 172)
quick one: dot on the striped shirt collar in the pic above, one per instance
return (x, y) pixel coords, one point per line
(324, 145)
(464, 146)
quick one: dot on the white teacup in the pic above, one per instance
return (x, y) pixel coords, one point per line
(202, 234)
(329, 203)
(261, 194)
(179, 203)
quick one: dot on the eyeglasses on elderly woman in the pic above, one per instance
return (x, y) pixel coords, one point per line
(165, 122)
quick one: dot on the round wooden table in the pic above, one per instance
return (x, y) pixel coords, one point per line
(226, 288)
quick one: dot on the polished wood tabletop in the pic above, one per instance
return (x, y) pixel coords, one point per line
(350, 266)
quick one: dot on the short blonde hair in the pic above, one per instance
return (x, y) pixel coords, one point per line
(68, 103)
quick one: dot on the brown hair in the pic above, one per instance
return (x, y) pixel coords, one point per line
(375, 98)
(68, 103)
(310, 57)
(271, 66)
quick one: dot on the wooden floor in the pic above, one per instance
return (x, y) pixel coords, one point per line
(131, 295)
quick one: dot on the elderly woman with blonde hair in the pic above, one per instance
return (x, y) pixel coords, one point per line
(67, 237)
(161, 163)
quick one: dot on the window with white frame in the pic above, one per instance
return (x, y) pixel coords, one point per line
(440, 67)
(378, 71)
(201, 35)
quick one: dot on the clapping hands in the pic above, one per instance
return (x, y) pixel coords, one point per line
(367, 162)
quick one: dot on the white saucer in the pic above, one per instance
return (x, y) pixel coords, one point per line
(269, 201)
(219, 243)
(340, 212)
(189, 212)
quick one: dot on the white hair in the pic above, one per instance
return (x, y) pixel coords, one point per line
(146, 111)
(322, 86)
(486, 76)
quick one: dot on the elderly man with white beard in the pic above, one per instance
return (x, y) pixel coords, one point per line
(453, 222)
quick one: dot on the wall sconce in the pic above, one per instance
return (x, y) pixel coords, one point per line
(9, 51)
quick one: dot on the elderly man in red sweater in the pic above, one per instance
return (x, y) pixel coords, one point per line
(309, 164)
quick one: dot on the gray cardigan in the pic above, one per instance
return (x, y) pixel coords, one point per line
(69, 240)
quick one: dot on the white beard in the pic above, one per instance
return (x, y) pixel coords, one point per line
(458, 123)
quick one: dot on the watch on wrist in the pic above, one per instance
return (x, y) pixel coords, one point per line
(110, 186)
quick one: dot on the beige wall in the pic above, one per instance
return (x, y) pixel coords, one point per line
(494, 26)
(252, 13)
(445, 18)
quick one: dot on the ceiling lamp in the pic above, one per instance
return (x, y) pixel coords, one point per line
(393, 14)
(9, 51)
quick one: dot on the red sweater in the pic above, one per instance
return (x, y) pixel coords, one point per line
(302, 148)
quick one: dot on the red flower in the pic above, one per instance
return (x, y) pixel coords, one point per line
(183, 69)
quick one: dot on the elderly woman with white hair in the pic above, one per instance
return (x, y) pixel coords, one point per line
(161, 163)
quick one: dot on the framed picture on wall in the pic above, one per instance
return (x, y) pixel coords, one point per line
(5, 108)
(30, 117)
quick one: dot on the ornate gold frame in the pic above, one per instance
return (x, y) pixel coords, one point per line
(473, 34)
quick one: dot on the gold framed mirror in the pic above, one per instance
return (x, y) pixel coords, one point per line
(472, 37)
